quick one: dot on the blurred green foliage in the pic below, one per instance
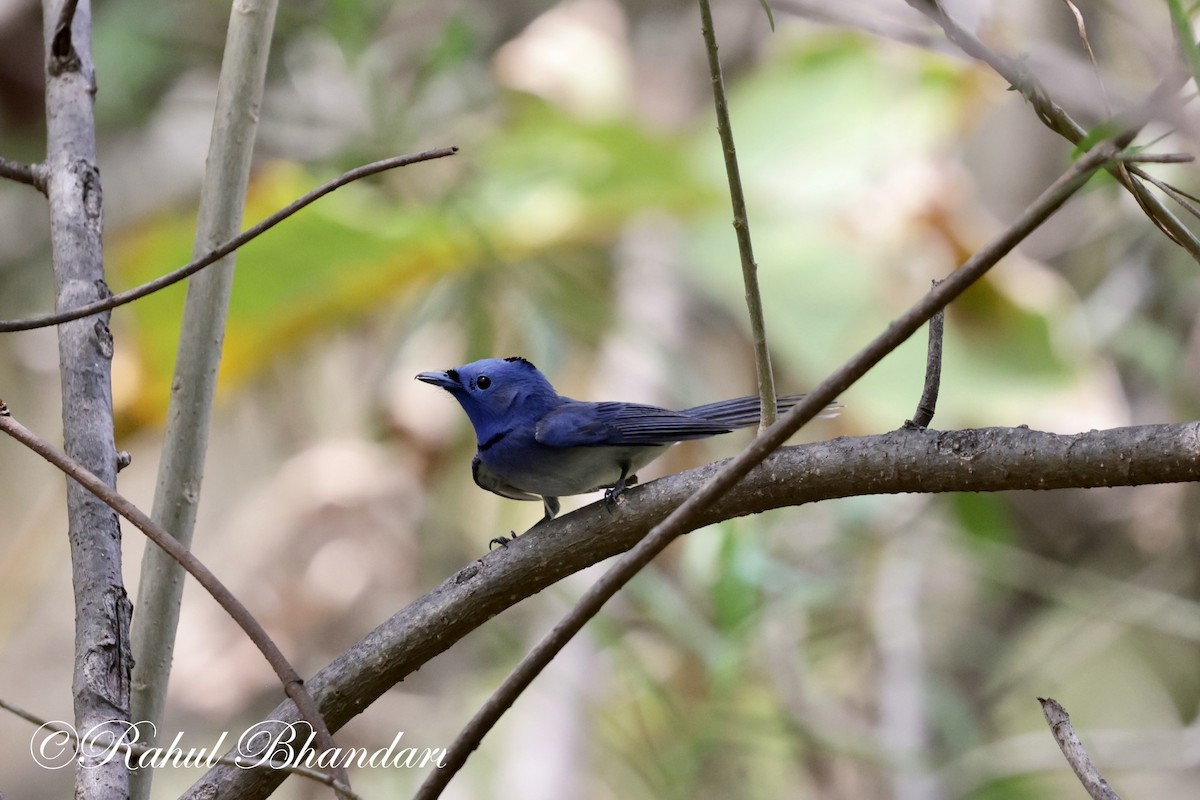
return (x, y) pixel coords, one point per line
(870, 647)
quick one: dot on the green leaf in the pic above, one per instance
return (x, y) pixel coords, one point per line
(984, 517)
(1097, 134)
(336, 261)
(736, 593)
(770, 17)
(1182, 26)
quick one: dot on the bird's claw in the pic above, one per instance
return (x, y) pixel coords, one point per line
(502, 540)
(612, 493)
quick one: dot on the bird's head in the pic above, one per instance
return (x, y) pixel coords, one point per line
(496, 391)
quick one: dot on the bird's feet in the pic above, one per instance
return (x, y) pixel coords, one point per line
(502, 540)
(551, 506)
(613, 492)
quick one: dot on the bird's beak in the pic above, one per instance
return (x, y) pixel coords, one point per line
(446, 380)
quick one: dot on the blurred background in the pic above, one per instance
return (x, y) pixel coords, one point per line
(876, 647)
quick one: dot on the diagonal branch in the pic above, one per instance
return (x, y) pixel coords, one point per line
(678, 521)
(293, 685)
(429, 626)
(1085, 769)
(1055, 117)
(904, 460)
(138, 292)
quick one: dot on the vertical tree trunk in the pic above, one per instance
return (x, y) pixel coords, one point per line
(181, 469)
(102, 609)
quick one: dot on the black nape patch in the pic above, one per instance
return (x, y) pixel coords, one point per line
(520, 360)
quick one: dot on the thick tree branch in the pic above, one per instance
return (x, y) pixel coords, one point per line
(676, 523)
(906, 460)
(113, 300)
(101, 683)
(694, 507)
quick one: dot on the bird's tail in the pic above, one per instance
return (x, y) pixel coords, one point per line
(742, 412)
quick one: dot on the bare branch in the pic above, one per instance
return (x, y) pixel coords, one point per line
(46, 320)
(905, 460)
(1161, 158)
(1060, 725)
(293, 686)
(100, 683)
(927, 405)
(240, 89)
(741, 226)
(1054, 117)
(678, 521)
(28, 174)
(1087, 45)
(1186, 201)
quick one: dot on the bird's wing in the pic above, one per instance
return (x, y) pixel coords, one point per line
(578, 424)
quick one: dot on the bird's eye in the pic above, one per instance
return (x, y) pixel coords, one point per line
(483, 382)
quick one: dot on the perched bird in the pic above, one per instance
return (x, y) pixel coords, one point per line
(535, 444)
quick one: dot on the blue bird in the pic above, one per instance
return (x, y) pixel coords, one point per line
(535, 444)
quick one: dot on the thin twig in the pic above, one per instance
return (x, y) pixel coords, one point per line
(1058, 120)
(1060, 725)
(1161, 158)
(45, 320)
(1087, 45)
(293, 685)
(676, 523)
(1185, 200)
(133, 748)
(29, 174)
(927, 405)
(741, 226)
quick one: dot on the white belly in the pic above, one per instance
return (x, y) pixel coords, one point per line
(569, 471)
